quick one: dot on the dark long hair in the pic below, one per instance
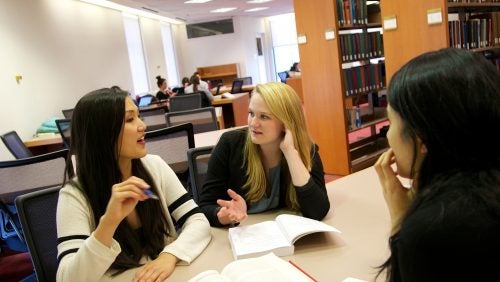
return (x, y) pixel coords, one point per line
(97, 121)
(195, 81)
(449, 99)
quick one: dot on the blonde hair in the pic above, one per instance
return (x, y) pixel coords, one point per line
(286, 106)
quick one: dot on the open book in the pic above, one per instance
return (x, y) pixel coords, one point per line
(276, 236)
(265, 268)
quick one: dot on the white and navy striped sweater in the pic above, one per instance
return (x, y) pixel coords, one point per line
(83, 258)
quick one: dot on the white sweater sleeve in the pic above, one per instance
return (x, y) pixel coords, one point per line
(82, 257)
(195, 229)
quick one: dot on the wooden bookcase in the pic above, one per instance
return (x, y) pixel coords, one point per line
(414, 35)
(325, 89)
(224, 73)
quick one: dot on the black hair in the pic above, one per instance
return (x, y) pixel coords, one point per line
(295, 67)
(98, 119)
(185, 80)
(449, 99)
(159, 80)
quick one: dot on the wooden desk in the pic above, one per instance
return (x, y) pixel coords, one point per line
(358, 210)
(234, 110)
(225, 88)
(44, 144)
(211, 138)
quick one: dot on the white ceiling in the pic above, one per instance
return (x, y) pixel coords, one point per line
(191, 13)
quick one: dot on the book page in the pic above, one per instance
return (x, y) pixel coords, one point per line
(295, 227)
(209, 276)
(264, 268)
(257, 238)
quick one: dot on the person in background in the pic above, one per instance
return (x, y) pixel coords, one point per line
(294, 70)
(195, 86)
(165, 92)
(203, 84)
(117, 219)
(271, 164)
(185, 81)
(446, 226)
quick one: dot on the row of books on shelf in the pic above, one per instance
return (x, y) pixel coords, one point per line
(352, 12)
(364, 78)
(480, 32)
(473, 1)
(358, 46)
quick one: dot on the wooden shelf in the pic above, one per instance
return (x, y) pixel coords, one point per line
(473, 7)
(365, 156)
(225, 73)
(360, 26)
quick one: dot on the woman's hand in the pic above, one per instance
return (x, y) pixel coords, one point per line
(157, 270)
(232, 211)
(287, 144)
(397, 197)
(124, 198)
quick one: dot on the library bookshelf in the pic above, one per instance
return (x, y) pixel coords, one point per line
(342, 57)
(414, 34)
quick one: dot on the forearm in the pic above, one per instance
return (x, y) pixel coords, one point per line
(105, 231)
(298, 171)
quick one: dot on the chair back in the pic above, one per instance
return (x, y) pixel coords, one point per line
(171, 144)
(64, 127)
(37, 214)
(185, 102)
(246, 80)
(203, 119)
(68, 113)
(23, 176)
(237, 86)
(154, 118)
(15, 145)
(198, 166)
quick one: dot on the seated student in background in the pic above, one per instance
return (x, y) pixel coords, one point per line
(446, 227)
(294, 70)
(196, 86)
(165, 92)
(271, 164)
(203, 83)
(107, 225)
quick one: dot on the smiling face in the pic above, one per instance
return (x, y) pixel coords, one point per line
(131, 137)
(264, 127)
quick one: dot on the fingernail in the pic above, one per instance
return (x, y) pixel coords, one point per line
(150, 194)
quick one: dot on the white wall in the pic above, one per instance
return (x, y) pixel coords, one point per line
(62, 49)
(238, 47)
(65, 48)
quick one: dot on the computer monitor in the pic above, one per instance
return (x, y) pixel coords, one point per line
(145, 101)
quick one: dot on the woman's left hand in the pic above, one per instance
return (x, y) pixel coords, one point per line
(287, 144)
(157, 270)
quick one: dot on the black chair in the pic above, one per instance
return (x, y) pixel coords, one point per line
(246, 80)
(203, 119)
(37, 213)
(283, 76)
(15, 145)
(198, 165)
(171, 144)
(18, 177)
(185, 102)
(237, 86)
(154, 118)
(64, 127)
(68, 113)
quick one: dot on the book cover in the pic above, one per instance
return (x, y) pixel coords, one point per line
(276, 236)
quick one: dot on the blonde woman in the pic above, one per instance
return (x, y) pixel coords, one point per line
(271, 164)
